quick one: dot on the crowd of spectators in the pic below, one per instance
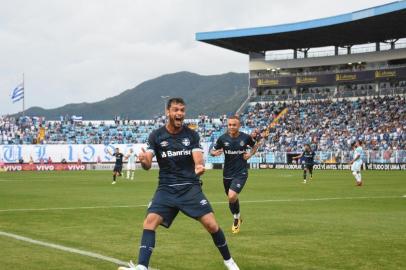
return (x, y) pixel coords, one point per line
(330, 124)
(333, 125)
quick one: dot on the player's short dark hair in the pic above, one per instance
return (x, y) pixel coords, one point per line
(176, 100)
(234, 117)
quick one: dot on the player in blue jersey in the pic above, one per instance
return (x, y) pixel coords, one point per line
(308, 158)
(235, 145)
(356, 162)
(118, 166)
(180, 159)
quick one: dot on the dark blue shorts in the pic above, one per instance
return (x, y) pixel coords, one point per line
(191, 202)
(308, 166)
(235, 183)
(118, 168)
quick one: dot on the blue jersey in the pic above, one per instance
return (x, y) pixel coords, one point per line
(174, 155)
(119, 159)
(308, 157)
(234, 150)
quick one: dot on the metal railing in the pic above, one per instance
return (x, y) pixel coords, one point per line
(323, 53)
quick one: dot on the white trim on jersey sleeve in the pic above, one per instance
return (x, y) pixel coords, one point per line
(150, 151)
(197, 150)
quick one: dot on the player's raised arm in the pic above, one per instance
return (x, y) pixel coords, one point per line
(145, 158)
(197, 155)
(146, 155)
(199, 162)
(297, 157)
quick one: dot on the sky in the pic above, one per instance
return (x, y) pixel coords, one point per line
(73, 51)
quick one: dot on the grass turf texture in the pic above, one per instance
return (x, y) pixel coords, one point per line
(363, 233)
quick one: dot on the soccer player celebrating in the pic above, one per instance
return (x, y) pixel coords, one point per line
(356, 162)
(234, 144)
(308, 155)
(131, 158)
(180, 159)
(118, 166)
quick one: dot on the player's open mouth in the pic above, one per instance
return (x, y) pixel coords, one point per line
(178, 119)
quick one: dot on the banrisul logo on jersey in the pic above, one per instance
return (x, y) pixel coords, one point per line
(170, 153)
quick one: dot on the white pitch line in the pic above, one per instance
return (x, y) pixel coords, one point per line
(222, 202)
(63, 248)
(72, 208)
(66, 249)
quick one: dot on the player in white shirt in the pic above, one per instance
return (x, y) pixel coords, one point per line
(131, 161)
(356, 162)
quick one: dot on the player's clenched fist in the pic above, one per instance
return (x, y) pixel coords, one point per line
(199, 169)
(142, 155)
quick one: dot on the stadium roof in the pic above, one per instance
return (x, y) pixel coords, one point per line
(368, 25)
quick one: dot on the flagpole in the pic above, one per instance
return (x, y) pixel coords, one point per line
(23, 97)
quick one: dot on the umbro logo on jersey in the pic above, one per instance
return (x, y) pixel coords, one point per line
(242, 143)
(203, 202)
(226, 144)
(186, 142)
(164, 143)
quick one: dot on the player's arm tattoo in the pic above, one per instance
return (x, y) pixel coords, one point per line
(253, 150)
(216, 152)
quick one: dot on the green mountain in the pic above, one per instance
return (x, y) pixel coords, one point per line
(211, 95)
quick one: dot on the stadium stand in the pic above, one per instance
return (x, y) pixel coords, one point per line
(331, 124)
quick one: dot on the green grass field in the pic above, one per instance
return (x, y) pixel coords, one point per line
(326, 224)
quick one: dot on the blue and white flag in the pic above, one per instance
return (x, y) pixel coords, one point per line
(18, 93)
(76, 118)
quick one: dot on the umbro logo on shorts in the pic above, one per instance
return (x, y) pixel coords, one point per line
(203, 202)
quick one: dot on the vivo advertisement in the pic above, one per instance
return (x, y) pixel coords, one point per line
(71, 153)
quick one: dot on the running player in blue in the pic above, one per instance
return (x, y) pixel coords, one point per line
(235, 145)
(308, 156)
(356, 162)
(180, 159)
(118, 166)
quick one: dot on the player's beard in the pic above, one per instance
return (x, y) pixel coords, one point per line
(176, 122)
